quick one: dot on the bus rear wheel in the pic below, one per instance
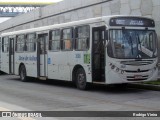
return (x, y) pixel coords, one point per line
(23, 74)
(81, 79)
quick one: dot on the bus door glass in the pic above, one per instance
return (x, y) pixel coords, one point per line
(42, 55)
(98, 56)
(0, 53)
(5, 54)
(11, 55)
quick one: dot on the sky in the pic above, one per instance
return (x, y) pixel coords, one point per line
(4, 19)
(29, 1)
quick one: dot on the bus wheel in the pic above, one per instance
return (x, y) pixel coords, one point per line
(23, 74)
(81, 79)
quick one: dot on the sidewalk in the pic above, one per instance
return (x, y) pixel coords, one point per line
(145, 86)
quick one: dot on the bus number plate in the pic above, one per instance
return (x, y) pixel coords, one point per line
(138, 77)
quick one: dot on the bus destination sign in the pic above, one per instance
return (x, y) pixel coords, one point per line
(132, 21)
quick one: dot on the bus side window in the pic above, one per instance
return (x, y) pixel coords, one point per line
(82, 37)
(20, 43)
(31, 42)
(67, 39)
(5, 44)
(54, 40)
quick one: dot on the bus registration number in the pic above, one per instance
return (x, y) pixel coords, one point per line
(138, 77)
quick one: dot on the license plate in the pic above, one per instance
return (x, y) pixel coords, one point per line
(138, 76)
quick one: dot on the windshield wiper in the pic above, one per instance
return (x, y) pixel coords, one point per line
(130, 39)
(139, 42)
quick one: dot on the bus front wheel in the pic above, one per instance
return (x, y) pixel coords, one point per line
(81, 79)
(23, 74)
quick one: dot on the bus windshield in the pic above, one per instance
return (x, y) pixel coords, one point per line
(132, 44)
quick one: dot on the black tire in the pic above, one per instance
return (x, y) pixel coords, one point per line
(81, 79)
(23, 73)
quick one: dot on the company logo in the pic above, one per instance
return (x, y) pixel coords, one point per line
(6, 114)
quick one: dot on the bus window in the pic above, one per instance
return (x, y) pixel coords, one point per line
(5, 44)
(67, 37)
(54, 42)
(82, 38)
(20, 43)
(30, 42)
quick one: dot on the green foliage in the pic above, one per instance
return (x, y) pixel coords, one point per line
(157, 82)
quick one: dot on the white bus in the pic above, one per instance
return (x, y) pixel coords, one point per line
(104, 50)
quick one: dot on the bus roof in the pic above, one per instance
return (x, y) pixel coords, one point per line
(74, 23)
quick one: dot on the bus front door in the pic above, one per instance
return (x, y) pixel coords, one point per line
(98, 54)
(11, 55)
(42, 55)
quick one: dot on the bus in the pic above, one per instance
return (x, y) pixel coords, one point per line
(103, 50)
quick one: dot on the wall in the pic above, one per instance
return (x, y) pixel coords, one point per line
(71, 10)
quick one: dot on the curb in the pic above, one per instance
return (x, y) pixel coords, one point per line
(145, 86)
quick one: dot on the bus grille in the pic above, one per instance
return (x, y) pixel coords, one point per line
(134, 71)
(137, 63)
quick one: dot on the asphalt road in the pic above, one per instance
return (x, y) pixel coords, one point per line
(63, 96)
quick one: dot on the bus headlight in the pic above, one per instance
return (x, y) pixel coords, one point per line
(117, 70)
(122, 71)
(113, 66)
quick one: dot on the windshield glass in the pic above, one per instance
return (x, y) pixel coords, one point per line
(132, 44)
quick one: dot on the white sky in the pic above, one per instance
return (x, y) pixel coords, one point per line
(4, 19)
(29, 0)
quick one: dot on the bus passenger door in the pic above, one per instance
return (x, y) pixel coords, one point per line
(98, 54)
(0, 53)
(42, 55)
(5, 54)
(11, 55)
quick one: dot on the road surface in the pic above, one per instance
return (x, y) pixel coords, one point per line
(63, 96)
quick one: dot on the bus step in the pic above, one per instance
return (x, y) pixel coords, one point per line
(43, 78)
(103, 83)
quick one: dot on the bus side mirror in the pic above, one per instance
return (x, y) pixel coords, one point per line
(106, 38)
(106, 35)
